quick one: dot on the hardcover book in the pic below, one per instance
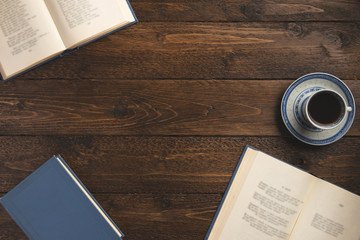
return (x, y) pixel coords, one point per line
(52, 203)
(33, 32)
(268, 199)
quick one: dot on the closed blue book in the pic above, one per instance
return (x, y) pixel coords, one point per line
(53, 204)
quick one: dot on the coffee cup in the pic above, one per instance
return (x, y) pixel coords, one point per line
(325, 109)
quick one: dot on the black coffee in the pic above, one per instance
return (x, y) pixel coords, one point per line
(325, 108)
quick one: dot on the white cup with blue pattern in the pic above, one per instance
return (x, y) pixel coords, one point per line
(325, 109)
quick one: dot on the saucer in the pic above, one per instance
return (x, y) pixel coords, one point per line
(295, 96)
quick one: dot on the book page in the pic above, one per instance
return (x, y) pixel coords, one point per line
(232, 192)
(332, 213)
(27, 35)
(80, 21)
(269, 201)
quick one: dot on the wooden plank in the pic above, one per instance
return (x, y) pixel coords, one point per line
(170, 164)
(214, 51)
(246, 10)
(149, 216)
(146, 107)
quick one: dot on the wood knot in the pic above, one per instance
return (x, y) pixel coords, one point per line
(229, 59)
(255, 9)
(20, 105)
(121, 109)
(295, 30)
(165, 203)
(301, 162)
(335, 39)
(161, 37)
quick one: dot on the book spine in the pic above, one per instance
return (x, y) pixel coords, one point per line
(90, 195)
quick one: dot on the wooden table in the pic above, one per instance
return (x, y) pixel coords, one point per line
(153, 118)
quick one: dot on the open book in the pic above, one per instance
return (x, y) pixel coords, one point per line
(32, 32)
(269, 199)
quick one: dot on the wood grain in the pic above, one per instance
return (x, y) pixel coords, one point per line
(214, 51)
(153, 119)
(147, 216)
(146, 107)
(130, 164)
(246, 10)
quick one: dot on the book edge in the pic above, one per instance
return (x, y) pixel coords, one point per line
(233, 176)
(31, 68)
(132, 11)
(227, 191)
(68, 51)
(12, 210)
(16, 216)
(16, 220)
(303, 170)
(90, 196)
(1, 77)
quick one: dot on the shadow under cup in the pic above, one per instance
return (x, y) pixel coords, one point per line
(326, 109)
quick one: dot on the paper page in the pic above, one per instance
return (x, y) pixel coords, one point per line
(27, 35)
(126, 10)
(232, 194)
(80, 21)
(331, 213)
(269, 202)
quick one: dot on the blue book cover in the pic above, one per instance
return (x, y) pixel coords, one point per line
(52, 203)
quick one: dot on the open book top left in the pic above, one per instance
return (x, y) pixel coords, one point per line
(32, 32)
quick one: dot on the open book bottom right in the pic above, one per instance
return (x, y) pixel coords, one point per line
(268, 199)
